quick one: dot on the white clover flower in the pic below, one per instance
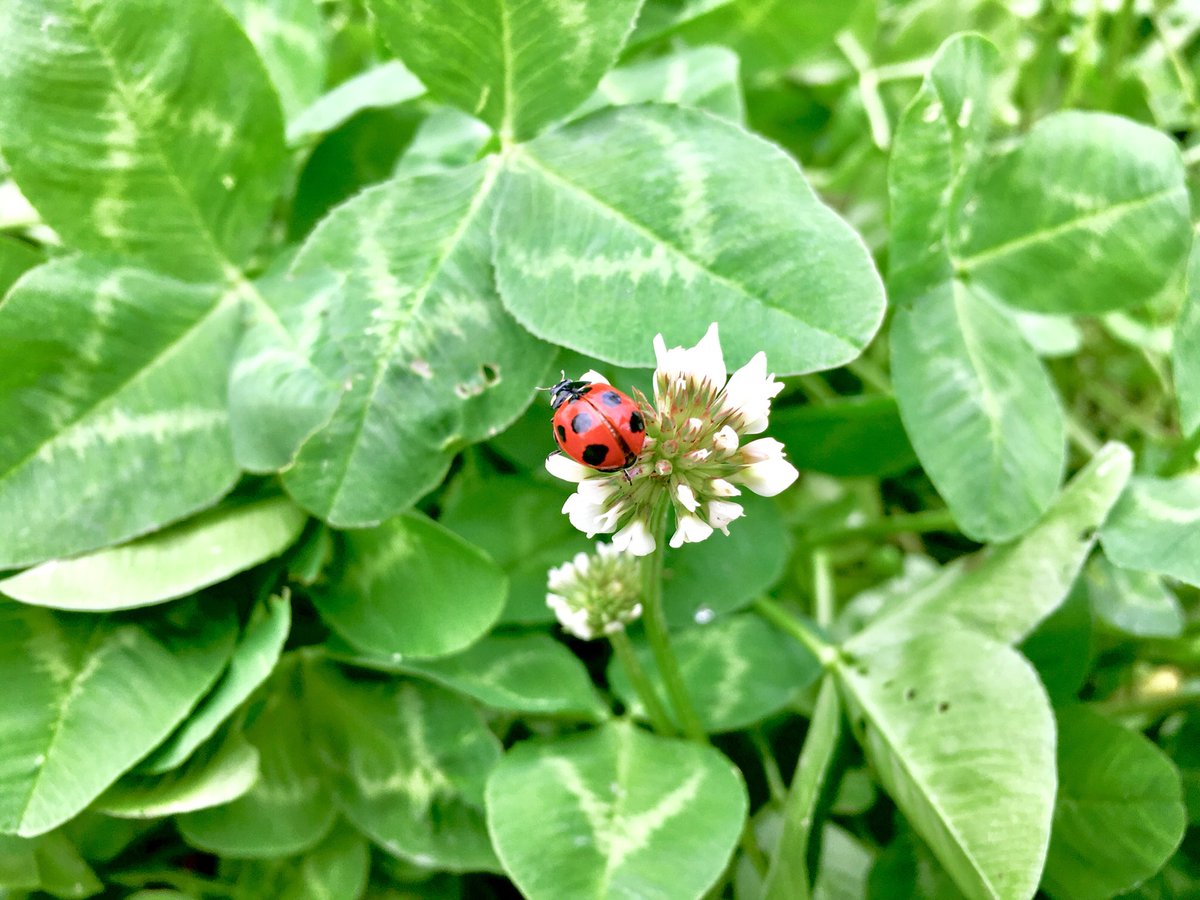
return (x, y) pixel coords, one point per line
(693, 455)
(594, 595)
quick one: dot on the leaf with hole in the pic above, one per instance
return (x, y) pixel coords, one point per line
(936, 713)
(426, 359)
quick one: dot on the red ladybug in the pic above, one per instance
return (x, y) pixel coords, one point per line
(597, 425)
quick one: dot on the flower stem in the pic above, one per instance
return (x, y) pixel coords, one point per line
(918, 523)
(822, 587)
(656, 630)
(642, 685)
(825, 652)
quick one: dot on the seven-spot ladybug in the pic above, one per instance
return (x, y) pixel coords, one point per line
(597, 425)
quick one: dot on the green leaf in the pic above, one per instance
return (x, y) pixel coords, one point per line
(613, 218)
(412, 588)
(338, 868)
(1185, 350)
(1089, 213)
(94, 694)
(717, 662)
(49, 863)
(1120, 811)
(937, 713)
(130, 136)
(171, 563)
(852, 437)
(426, 356)
(614, 812)
(701, 77)
(1153, 527)
(726, 573)
(289, 36)
(409, 762)
(382, 86)
(1137, 603)
(518, 66)
(445, 139)
(519, 524)
(278, 398)
(16, 258)
(112, 370)
(220, 771)
(528, 673)
(252, 661)
(939, 141)
(981, 411)
(289, 809)
(1014, 587)
(770, 35)
(788, 877)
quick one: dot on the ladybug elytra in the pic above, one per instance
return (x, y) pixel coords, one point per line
(596, 424)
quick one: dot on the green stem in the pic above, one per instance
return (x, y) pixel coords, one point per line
(1152, 706)
(656, 630)
(917, 523)
(775, 782)
(750, 847)
(822, 587)
(1081, 436)
(771, 611)
(870, 374)
(819, 393)
(642, 685)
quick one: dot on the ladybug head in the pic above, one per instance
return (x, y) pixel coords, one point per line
(566, 390)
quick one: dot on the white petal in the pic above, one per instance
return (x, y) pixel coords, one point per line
(598, 490)
(761, 449)
(706, 360)
(584, 515)
(722, 488)
(769, 477)
(593, 376)
(721, 512)
(749, 394)
(635, 538)
(691, 530)
(686, 497)
(725, 440)
(561, 466)
(703, 362)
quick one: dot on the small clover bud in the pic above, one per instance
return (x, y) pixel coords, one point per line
(597, 594)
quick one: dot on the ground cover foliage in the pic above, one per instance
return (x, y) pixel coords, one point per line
(280, 280)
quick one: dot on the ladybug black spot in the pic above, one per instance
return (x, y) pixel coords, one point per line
(635, 422)
(611, 398)
(593, 454)
(581, 423)
(562, 433)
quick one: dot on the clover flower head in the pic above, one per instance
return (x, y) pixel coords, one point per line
(693, 455)
(595, 594)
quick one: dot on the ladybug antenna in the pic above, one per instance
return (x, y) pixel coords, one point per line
(561, 374)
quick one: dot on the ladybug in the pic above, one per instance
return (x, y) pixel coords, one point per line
(597, 425)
